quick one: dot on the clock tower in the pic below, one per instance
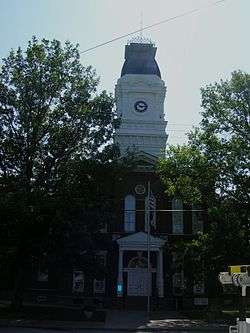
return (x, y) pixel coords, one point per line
(140, 94)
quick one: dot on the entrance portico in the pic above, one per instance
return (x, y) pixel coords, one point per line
(133, 246)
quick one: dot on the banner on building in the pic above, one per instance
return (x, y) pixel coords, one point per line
(199, 288)
(78, 282)
(99, 286)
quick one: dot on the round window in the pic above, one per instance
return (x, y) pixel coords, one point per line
(140, 189)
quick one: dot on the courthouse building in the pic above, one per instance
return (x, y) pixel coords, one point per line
(140, 96)
(123, 246)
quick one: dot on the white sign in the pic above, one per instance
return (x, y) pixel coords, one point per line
(99, 286)
(178, 280)
(199, 288)
(78, 282)
(225, 278)
(201, 301)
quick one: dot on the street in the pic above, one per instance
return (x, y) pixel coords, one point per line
(38, 330)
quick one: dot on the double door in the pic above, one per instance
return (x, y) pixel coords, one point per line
(139, 282)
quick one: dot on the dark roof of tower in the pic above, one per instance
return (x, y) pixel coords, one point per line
(140, 59)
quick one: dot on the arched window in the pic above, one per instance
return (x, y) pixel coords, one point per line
(177, 216)
(129, 213)
(138, 262)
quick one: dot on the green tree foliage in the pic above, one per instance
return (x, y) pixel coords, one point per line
(49, 115)
(187, 174)
(224, 134)
(217, 154)
(56, 148)
(212, 169)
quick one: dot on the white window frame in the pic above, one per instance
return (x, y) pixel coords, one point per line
(199, 288)
(177, 217)
(99, 290)
(42, 272)
(129, 213)
(103, 255)
(104, 229)
(178, 283)
(197, 221)
(78, 282)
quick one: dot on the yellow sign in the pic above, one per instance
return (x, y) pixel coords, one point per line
(238, 269)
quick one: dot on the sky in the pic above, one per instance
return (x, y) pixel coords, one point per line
(192, 51)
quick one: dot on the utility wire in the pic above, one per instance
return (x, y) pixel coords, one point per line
(181, 124)
(189, 12)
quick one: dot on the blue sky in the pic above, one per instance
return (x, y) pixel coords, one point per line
(193, 51)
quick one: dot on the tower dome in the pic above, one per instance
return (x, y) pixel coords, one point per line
(140, 59)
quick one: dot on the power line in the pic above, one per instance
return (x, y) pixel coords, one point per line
(189, 12)
(177, 130)
(181, 124)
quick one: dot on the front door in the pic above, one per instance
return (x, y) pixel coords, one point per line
(138, 282)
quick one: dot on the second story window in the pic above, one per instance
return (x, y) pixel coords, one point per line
(177, 216)
(197, 223)
(129, 213)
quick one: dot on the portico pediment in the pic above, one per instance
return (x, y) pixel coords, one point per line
(139, 240)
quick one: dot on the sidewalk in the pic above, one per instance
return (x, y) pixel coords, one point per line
(127, 321)
(138, 320)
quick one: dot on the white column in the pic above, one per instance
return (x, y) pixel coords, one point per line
(160, 274)
(120, 270)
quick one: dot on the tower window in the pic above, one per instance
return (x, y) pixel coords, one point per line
(177, 216)
(129, 213)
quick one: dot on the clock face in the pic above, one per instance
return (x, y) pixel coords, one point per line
(140, 106)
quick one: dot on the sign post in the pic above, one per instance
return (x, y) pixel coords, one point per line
(148, 249)
(239, 276)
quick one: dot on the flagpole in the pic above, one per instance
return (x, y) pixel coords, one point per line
(148, 248)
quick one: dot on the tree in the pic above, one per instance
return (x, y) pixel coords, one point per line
(48, 113)
(187, 174)
(54, 129)
(224, 134)
(212, 169)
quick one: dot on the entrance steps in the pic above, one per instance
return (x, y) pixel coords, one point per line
(139, 303)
